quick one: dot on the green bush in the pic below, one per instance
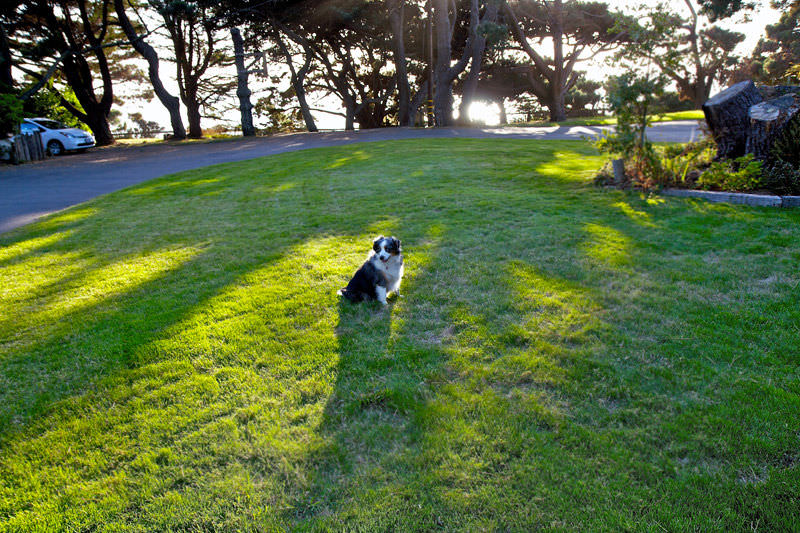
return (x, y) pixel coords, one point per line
(47, 103)
(11, 113)
(742, 174)
(786, 147)
(631, 97)
(680, 163)
(781, 177)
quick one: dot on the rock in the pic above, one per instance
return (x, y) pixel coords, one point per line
(727, 116)
(6, 149)
(768, 120)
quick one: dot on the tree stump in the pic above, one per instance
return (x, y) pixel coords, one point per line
(727, 117)
(768, 92)
(768, 120)
(619, 171)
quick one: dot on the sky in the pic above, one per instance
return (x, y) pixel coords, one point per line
(153, 110)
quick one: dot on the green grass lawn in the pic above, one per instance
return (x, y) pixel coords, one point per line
(174, 356)
(605, 121)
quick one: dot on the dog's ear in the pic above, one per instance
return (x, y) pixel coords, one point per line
(397, 244)
(376, 242)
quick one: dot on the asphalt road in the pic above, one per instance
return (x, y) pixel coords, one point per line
(30, 191)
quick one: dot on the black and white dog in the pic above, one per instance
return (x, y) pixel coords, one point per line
(380, 274)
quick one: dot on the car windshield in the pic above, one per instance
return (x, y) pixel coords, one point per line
(51, 124)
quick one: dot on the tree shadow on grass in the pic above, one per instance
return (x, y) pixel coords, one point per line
(144, 377)
(442, 401)
(527, 398)
(233, 389)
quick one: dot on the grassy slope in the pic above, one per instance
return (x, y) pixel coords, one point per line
(174, 356)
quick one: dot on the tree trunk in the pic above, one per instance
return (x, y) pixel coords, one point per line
(170, 102)
(94, 114)
(444, 73)
(702, 91)
(726, 116)
(242, 90)
(405, 115)
(558, 111)
(350, 115)
(308, 118)
(297, 78)
(478, 47)
(555, 105)
(80, 76)
(367, 118)
(768, 121)
(100, 127)
(193, 113)
(5, 60)
(443, 105)
(443, 96)
(501, 103)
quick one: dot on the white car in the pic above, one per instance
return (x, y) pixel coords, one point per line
(57, 137)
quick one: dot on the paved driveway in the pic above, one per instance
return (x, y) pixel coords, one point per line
(30, 191)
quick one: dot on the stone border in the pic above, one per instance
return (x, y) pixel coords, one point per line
(757, 200)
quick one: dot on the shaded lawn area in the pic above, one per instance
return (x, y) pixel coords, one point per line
(174, 356)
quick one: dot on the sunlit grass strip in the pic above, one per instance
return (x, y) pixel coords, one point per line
(174, 357)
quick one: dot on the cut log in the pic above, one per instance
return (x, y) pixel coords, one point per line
(768, 121)
(726, 116)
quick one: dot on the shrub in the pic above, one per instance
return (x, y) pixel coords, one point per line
(680, 163)
(741, 174)
(786, 146)
(11, 114)
(631, 97)
(781, 177)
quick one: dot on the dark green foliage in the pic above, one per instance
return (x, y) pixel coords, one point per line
(721, 9)
(690, 54)
(47, 103)
(776, 58)
(781, 177)
(671, 101)
(11, 113)
(583, 97)
(273, 109)
(571, 26)
(787, 146)
(782, 174)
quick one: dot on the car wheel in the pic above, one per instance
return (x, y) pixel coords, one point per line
(55, 148)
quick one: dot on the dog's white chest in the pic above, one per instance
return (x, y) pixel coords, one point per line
(392, 270)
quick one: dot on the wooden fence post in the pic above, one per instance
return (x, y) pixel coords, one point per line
(29, 147)
(37, 139)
